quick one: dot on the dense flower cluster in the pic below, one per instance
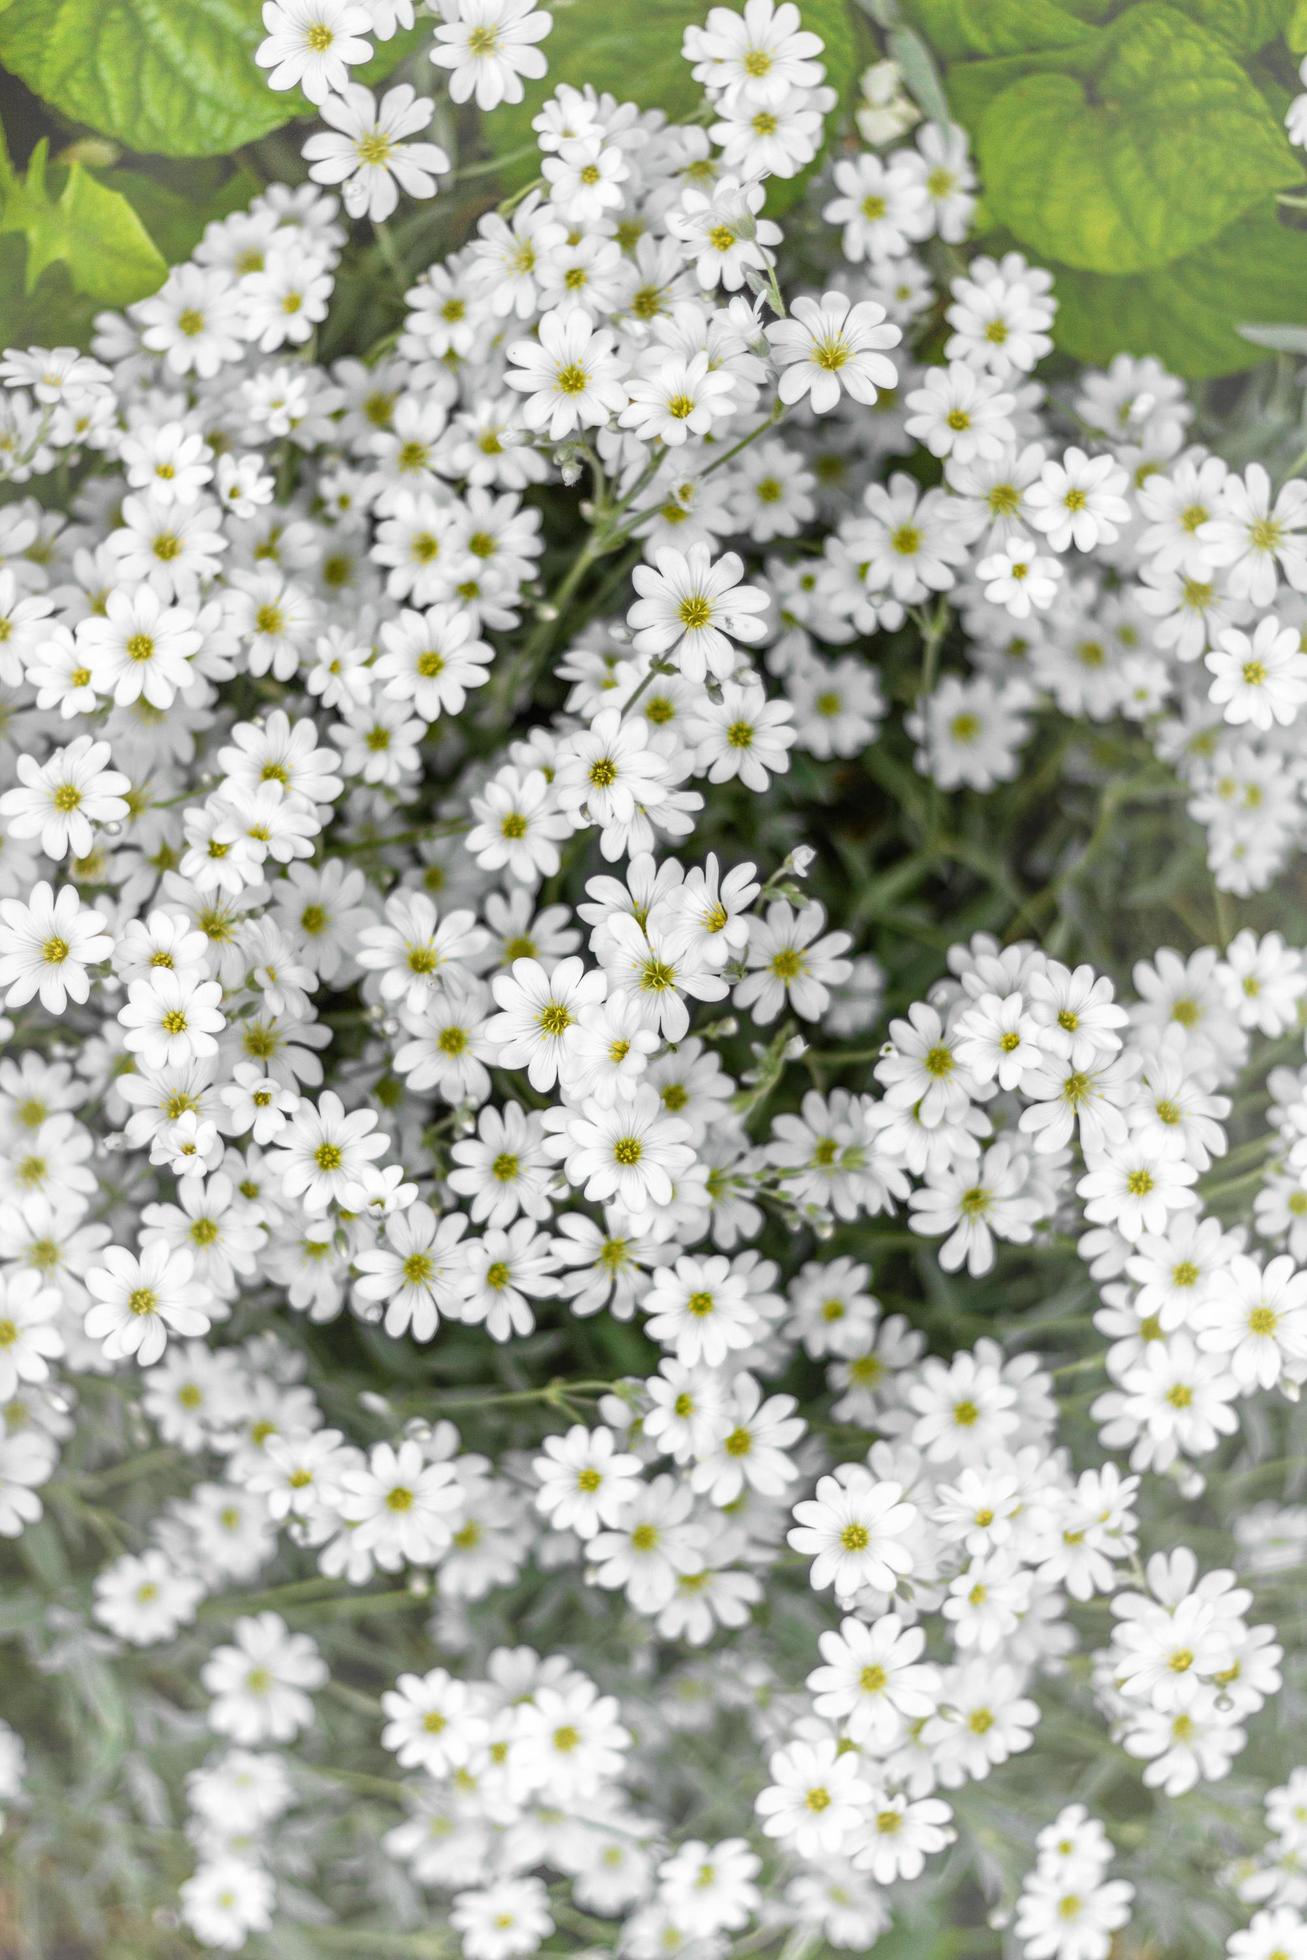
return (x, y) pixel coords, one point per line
(425, 1128)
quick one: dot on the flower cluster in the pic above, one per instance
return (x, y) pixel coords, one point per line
(1068, 1905)
(605, 1306)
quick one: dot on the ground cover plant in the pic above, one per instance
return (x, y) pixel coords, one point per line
(653, 968)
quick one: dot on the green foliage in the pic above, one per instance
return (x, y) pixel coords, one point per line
(1243, 24)
(1139, 156)
(635, 52)
(1159, 146)
(74, 238)
(1189, 313)
(175, 81)
(91, 230)
(176, 212)
(166, 80)
(960, 29)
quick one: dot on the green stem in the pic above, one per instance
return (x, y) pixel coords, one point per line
(492, 165)
(1080, 1367)
(123, 1473)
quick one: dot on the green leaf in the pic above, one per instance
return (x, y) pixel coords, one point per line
(958, 28)
(165, 79)
(1243, 25)
(973, 85)
(1160, 147)
(175, 211)
(1189, 313)
(844, 61)
(90, 229)
(52, 315)
(635, 53)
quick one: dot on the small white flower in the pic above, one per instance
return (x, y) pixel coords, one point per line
(370, 155)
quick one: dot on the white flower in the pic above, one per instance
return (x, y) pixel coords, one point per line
(571, 375)
(1257, 535)
(311, 44)
(691, 608)
(140, 1300)
(754, 57)
(1258, 1319)
(323, 1153)
(610, 771)
(789, 965)
(815, 1798)
(585, 1482)
(962, 415)
(882, 206)
(540, 1011)
(370, 156)
(146, 1599)
(28, 1340)
(702, 1310)
(1018, 578)
(260, 1686)
(489, 45)
(630, 1152)
(140, 647)
(907, 1831)
(419, 1272)
(432, 659)
(46, 944)
(519, 826)
(833, 346)
(1079, 501)
(873, 1680)
(1262, 679)
(507, 1919)
(401, 1508)
(226, 1899)
(855, 1530)
(585, 178)
(58, 801)
(723, 234)
(172, 1018)
(1135, 1185)
(676, 396)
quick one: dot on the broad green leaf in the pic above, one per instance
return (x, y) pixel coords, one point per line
(635, 53)
(959, 28)
(1189, 313)
(52, 315)
(1243, 24)
(166, 79)
(92, 230)
(1160, 148)
(1295, 32)
(175, 209)
(844, 61)
(973, 85)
